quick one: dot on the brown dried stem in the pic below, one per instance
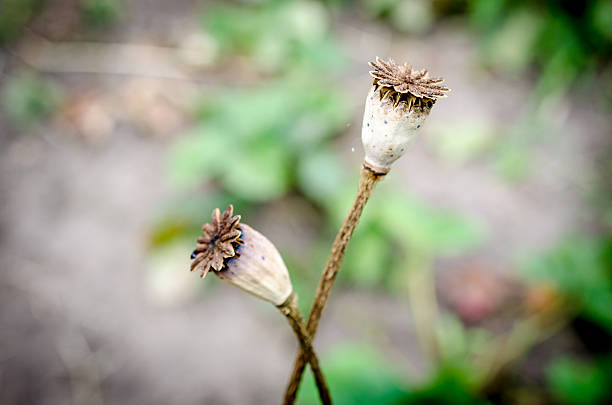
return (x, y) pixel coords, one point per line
(292, 312)
(367, 183)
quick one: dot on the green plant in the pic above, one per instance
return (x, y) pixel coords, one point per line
(14, 14)
(101, 12)
(359, 375)
(276, 36)
(281, 123)
(28, 98)
(580, 269)
(577, 382)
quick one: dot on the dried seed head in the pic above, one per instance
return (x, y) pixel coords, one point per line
(220, 240)
(396, 107)
(246, 259)
(405, 80)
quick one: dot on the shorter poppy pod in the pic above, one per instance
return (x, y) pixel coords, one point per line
(243, 257)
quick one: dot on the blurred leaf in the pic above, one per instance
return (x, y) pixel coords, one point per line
(561, 69)
(356, 375)
(566, 40)
(485, 14)
(322, 55)
(296, 111)
(411, 222)
(368, 259)
(460, 347)
(249, 113)
(200, 155)
(452, 338)
(258, 173)
(276, 35)
(509, 49)
(426, 227)
(602, 18)
(580, 268)
(448, 387)
(320, 176)
(322, 112)
(393, 226)
(167, 231)
(14, 14)
(251, 140)
(577, 382)
(101, 12)
(28, 98)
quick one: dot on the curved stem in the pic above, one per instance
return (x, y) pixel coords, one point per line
(292, 312)
(367, 182)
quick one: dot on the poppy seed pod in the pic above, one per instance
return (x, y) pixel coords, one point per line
(243, 257)
(396, 108)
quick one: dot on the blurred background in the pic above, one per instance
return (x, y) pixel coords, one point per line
(481, 272)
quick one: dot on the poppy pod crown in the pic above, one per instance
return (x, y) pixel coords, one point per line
(397, 106)
(243, 257)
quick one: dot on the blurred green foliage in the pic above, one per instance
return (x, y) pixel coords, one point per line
(276, 35)
(361, 375)
(394, 227)
(565, 39)
(27, 98)
(462, 350)
(357, 375)
(101, 13)
(578, 382)
(14, 14)
(255, 140)
(581, 268)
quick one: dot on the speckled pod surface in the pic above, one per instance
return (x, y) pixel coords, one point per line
(388, 127)
(258, 268)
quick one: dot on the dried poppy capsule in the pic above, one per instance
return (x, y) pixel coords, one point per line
(243, 257)
(396, 108)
